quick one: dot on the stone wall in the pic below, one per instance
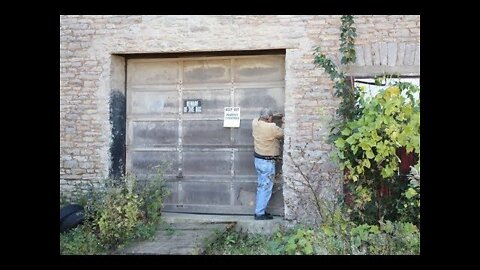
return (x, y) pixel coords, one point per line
(87, 78)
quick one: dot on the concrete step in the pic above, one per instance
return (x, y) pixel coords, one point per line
(244, 223)
(187, 234)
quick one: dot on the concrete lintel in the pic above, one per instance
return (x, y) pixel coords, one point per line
(370, 71)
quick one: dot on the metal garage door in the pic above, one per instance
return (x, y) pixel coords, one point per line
(210, 168)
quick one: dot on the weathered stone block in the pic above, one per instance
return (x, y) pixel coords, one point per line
(383, 53)
(392, 53)
(409, 59)
(367, 51)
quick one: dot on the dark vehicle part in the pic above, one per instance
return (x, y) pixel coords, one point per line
(68, 210)
(72, 221)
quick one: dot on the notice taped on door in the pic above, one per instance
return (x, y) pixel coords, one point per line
(231, 117)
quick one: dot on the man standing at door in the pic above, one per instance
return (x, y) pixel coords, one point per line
(266, 136)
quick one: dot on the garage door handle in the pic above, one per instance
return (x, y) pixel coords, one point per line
(180, 175)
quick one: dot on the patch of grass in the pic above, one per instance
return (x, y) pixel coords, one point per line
(236, 243)
(80, 241)
(169, 231)
(145, 231)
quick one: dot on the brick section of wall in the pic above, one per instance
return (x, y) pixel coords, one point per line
(72, 191)
(87, 42)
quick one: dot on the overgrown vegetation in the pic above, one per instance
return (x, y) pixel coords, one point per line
(343, 85)
(380, 213)
(368, 152)
(125, 210)
(80, 241)
(369, 135)
(408, 206)
(236, 243)
(340, 238)
(118, 216)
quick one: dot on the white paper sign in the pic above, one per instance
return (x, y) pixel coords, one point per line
(231, 117)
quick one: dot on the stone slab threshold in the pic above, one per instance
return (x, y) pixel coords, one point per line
(187, 234)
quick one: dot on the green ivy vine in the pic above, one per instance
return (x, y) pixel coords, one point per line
(348, 110)
(347, 40)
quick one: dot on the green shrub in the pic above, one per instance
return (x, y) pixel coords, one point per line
(405, 238)
(118, 217)
(408, 206)
(80, 241)
(297, 242)
(152, 195)
(333, 236)
(367, 151)
(339, 237)
(121, 211)
(388, 238)
(144, 230)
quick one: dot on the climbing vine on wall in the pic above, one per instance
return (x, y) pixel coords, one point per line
(348, 110)
(347, 40)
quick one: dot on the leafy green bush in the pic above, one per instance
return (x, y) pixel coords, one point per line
(80, 240)
(408, 205)
(295, 242)
(333, 236)
(122, 211)
(144, 230)
(389, 239)
(343, 237)
(152, 195)
(118, 217)
(339, 237)
(367, 151)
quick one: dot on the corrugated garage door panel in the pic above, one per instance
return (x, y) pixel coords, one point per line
(209, 168)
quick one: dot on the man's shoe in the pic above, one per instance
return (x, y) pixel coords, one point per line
(268, 214)
(263, 217)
